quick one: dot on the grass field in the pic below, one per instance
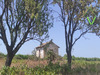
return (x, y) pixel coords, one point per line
(58, 67)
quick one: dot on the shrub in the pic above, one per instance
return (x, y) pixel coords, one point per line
(25, 70)
(2, 55)
(50, 56)
(19, 56)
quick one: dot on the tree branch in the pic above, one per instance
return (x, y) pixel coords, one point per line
(79, 37)
(3, 34)
(23, 39)
(29, 39)
(2, 13)
(0, 37)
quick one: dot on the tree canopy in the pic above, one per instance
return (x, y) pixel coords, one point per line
(22, 20)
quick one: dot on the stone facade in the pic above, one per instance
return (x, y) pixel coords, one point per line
(42, 49)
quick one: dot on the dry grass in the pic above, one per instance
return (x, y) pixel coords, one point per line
(29, 63)
(92, 67)
(2, 62)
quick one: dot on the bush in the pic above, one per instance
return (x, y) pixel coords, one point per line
(19, 56)
(82, 58)
(53, 69)
(50, 56)
(25, 70)
(65, 57)
(2, 55)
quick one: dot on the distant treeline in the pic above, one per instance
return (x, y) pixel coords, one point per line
(82, 58)
(20, 56)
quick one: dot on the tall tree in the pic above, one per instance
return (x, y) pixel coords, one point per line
(22, 21)
(72, 15)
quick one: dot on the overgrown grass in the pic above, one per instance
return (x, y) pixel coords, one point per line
(80, 68)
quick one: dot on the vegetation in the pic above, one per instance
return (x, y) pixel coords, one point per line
(56, 57)
(2, 55)
(82, 58)
(50, 56)
(80, 67)
(72, 16)
(22, 21)
(25, 20)
(25, 65)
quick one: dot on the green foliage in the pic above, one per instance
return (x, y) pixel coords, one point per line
(58, 57)
(25, 20)
(24, 57)
(19, 56)
(50, 56)
(24, 70)
(82, 58)
(91, 68)
(2, 55)
(38, 12)
(65, 57)
(96, 26)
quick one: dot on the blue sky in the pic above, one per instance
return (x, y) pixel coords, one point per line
(87, 46)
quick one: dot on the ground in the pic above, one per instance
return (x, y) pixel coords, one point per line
(59, 67)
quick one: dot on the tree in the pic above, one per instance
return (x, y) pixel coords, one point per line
(72, 16)
(22, 21)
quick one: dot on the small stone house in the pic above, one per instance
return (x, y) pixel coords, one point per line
(45, 47)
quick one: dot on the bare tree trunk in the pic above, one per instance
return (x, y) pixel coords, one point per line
(69, 58)
(9, 60)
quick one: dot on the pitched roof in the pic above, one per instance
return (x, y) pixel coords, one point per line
(43, 44)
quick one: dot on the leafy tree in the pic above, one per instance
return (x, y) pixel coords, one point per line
(22, 21)
(74, 20)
